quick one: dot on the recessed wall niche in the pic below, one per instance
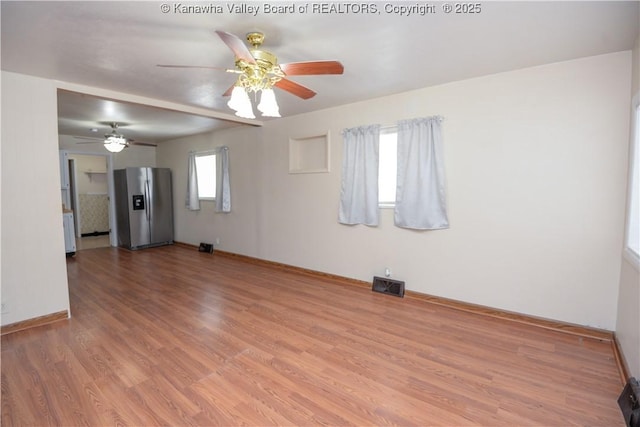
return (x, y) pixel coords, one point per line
(309, 154)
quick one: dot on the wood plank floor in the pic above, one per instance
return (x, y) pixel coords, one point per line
(171, 336)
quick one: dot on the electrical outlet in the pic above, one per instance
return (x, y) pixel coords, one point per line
(217, 241)
(4, 308)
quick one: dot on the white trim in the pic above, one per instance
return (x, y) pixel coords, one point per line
(297, 145)
(634, 145)
(113, 239)
(389, 129)
(632, 258)
(205, 152)
(73, 175)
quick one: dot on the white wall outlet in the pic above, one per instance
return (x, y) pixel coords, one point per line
(387, 272)
(4, 308)
(217, 240)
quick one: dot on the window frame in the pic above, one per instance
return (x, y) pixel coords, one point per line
(215, 172)
(633, 183)
(388, 204)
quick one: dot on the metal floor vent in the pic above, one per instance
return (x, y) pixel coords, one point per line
(206, 247)
(388, 286)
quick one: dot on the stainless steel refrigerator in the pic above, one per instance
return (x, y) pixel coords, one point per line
(144, 207)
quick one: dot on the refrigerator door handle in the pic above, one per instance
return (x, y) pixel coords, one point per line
(146, 196)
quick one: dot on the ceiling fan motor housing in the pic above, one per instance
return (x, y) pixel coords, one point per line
(263, 74)
(266, 60)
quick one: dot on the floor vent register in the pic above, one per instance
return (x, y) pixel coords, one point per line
(388, 286)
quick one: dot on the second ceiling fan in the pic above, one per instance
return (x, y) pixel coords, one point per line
(259, 71)
(114, 141)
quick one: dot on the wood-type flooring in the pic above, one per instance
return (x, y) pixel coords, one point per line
(171, 336)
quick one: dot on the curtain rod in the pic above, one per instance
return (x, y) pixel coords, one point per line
(394, 126)
(210, 151)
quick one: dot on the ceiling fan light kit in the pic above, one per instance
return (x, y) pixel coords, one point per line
(241, 103)
(259, 71)
(268, 105)
(115, 142)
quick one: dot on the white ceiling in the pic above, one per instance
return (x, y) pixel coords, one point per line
(117, 45)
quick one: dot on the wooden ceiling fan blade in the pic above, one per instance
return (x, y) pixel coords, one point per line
(295, 88)
(312, 68)
(240, 50)
(88, 137)
(146, 144)
(228, 91)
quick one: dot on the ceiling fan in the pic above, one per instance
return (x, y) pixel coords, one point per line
(258, 71)
(114, 141)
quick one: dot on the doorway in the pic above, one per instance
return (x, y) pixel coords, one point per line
(89, 198)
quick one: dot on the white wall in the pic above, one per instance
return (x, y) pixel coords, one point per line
(628, 320)
(536, 170)
(236, 231)
(34, 275)
(90, 183)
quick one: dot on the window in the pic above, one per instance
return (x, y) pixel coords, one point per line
(387, 167)
(633, 211)
(206, 169)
